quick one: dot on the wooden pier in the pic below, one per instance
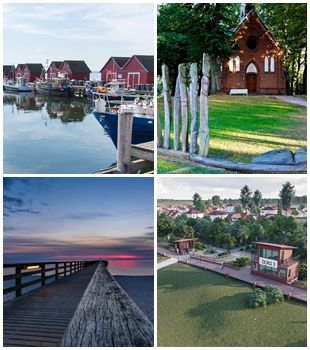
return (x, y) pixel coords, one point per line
(86, 308)
(130, 158)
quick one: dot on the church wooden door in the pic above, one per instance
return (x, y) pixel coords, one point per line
(251, 82)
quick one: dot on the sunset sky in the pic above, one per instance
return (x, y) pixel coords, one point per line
(49, 219)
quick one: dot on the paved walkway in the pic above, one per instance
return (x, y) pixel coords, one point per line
(244, 274)
(293, 99)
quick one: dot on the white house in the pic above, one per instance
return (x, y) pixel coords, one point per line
(229, 208)
(194, 214)
(218, 214)
(269, 210)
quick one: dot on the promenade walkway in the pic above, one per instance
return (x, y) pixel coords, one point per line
(244, 274)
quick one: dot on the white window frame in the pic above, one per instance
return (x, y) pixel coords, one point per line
(133, 74)
(272, 64)
(266, 64)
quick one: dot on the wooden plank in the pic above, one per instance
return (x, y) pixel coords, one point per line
(193, 98)
(124, 134)
(144, 151)
(47, 310)
(117, 321)
(184, 110)
(176, 115)
(204, 113)
(167, 104)
(159, 132)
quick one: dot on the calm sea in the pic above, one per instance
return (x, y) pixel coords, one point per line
(53, 135)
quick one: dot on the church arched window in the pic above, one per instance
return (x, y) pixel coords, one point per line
(234, 64)
(237, 63)
(266, 64)
(272, 68)
(231, 65)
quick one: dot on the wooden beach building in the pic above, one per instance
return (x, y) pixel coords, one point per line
(275, 261)
(31, 71)
(75, 70)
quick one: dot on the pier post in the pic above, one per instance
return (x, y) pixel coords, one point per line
(56, 271)
(18, 281)
(65, 272)
(124, 134)
(43, 275)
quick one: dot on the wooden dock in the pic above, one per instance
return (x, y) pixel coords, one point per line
(87, 308)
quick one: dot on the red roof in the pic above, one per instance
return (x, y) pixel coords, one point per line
(194, 211)
(275, 245)
(218, 212)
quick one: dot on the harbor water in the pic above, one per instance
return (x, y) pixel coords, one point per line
(53, 135)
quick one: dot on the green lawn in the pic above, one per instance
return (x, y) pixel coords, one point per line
(244, 126)
(198, 308)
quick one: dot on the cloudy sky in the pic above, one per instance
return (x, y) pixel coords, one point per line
(34, 33)
(48, 219)
(225, 187)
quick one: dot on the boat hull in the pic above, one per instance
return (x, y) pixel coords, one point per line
(59, 92)
(12, 88)
(142, 128)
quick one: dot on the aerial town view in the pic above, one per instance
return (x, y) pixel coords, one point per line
(64, 95)
(232, 261)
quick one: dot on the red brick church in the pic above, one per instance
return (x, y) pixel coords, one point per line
(257, 61)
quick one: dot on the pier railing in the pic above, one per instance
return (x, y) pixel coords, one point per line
(44, 271)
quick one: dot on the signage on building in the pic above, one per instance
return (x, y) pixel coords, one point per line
(268, 262)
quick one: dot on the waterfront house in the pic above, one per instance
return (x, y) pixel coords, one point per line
(19, 72)
(112, 70)
(135, 71)
(75, 70)
(33, 71)
(256, 63)
(9, 72)
(275, 261)
(53, 70)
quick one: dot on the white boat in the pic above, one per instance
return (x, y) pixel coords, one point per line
(21, 85)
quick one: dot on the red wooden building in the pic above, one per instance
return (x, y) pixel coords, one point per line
(19, 72)
(184, 245)
(9, 72)
(275, 261)
(135, 70)
(77, 70)
(31, 71)
(256, 64)
(53, 70)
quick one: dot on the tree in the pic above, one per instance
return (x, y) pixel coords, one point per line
(287, 194)
(165, 225)
(238, 209)
(257, 198)
(245, 196)
(216, 200)
(198, 202)
(280, 207)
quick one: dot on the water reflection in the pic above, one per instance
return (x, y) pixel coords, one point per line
(53, 135)
(67, 110)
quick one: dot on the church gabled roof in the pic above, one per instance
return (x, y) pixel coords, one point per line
(260, 21)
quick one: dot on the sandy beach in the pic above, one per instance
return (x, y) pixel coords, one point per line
(141, 291)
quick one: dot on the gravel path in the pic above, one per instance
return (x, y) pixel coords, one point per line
(141, 291)
(293, 99)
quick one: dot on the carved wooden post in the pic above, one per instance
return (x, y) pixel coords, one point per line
(194, 107)
(124, 134)
(183, 96)
(204, 117)
(176, 115)
(18, 281)
(167, 104)
(159, 132)
(43, 275)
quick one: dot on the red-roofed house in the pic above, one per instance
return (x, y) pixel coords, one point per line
(53, 69)
(184, 245)
(194, 214)
(268, 210)
(229, 208)
(75, 70)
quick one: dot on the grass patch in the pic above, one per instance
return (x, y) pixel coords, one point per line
(198, 308)
(164, 166)
(244, 126)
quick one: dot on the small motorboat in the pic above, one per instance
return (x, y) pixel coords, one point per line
(21, 85)
(53, 88)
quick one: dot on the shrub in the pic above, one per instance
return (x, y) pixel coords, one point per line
(212, 251)
(199, 246)
(244, 261)
(224, 253)
(257, 298)
(302, 274)
(273, 295)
